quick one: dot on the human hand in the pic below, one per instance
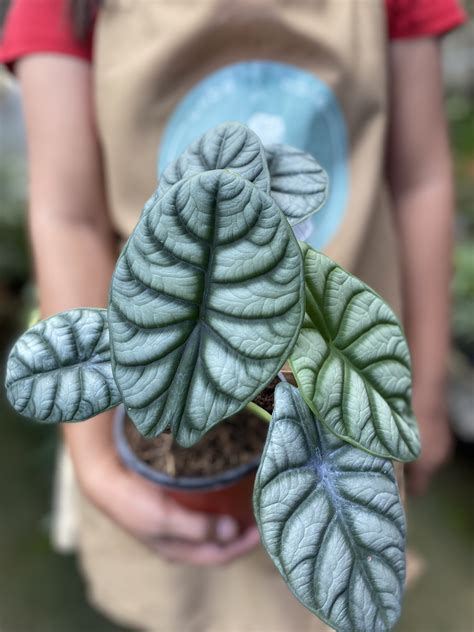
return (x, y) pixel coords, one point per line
(436, 439)
(175, 533)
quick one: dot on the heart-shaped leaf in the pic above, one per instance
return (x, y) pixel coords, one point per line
(331, 519)
(231, 146)
(59, 370)
(206, 303)
(299, 185)
(352, 363)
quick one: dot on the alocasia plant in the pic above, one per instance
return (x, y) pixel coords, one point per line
(211, 295)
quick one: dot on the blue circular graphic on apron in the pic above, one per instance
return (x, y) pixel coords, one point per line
(282, 104)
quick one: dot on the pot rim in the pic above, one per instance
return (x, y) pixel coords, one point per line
(189, 483)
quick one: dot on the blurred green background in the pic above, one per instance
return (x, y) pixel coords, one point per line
(41, 591)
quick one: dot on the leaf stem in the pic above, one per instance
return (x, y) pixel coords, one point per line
(257, 410)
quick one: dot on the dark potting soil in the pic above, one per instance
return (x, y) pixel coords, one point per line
(235, 441)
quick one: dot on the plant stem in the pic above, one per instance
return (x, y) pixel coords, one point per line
(259, 412)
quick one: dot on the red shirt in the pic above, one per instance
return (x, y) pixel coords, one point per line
(41, 26)
(35, 26)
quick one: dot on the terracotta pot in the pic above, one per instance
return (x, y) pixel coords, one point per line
(226, 493)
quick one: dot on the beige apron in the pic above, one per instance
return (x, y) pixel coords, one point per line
(148, 55)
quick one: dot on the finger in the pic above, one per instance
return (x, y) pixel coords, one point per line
(208, 553)
(180, 523)
(242, 545)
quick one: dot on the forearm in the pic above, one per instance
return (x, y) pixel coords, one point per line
(419, 171)
(70, 230)
(424, 223)
(424, 220)
(74, 262)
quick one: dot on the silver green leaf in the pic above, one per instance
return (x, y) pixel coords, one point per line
(206, 304)
(299, 185)
(231, 146)
(331, 519)
(352, 363)
(60, 370)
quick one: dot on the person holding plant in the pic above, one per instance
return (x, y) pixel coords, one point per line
(302, 74)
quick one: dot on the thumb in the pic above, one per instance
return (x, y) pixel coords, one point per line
(181, 523)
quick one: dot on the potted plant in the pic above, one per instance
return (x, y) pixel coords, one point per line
(211, 296)
(215, 476)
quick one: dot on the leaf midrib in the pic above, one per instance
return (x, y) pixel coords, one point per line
(77, 365)
(317, 317)
(394, 413)
(200, 317)
(335, 498)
